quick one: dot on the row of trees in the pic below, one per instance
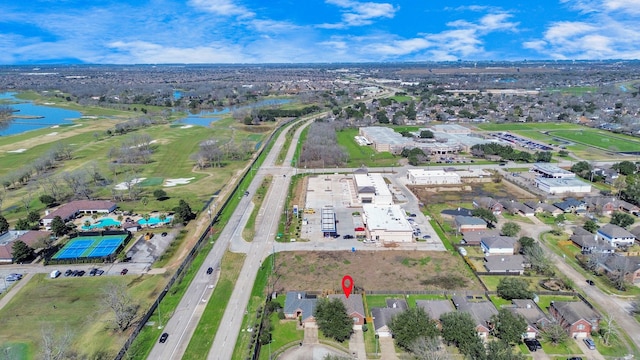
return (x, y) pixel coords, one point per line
(506, 152)
(321, 146)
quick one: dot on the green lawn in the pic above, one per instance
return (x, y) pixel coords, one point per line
(567, 348)
(601, 139)
(363, 155)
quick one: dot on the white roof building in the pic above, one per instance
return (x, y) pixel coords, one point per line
(432, 177)
(372, 189)
(552, 171)
(560, 186)
(387, 223)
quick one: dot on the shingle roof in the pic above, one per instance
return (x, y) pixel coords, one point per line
(501, 242)
(615, 231)
(436, 308)
(474, 237)
(353, 303)
(397, 304)
(504, 263)
(382, 316)
(67, 210)
(481, 311)
(469, 220)
(573, 311)
(530, 311)
(298, 301)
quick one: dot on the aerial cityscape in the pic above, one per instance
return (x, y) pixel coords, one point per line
(324, 180)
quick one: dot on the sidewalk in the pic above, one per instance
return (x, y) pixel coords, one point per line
(14, 290)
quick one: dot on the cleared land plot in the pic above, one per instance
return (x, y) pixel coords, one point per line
(363, 155)
(599, 139)
(373, 270)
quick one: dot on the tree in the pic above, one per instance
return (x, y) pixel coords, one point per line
(4, 225)
(621, 219)
(410, 325)
(116, 298)
(56, 345)
(426, 134)
(333, 320)
(508, 326)
(58, 226)
(510, 229)
(554, 333)
(159, 194)
(33, 217)
(48, 200)
(635, 306)
(22, 224)
(500, 350)
(459, 328)
(625, 167)
(428, 349)
(608, 328)
(21, 251)
(591, 226)
(525, 242)
(485, 214)
(538, 259)
(183, 212)
(511, 287)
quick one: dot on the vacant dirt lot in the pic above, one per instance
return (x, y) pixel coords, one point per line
(373, 270)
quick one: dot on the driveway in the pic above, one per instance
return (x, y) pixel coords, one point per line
(387, 349)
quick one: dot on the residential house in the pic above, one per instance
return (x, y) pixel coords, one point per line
(536, 319)
(469, 223)
(300, 305)
(382, 316)
(436, 308)
(33, 238)
(578, 319)
(498, 245)
(535, 206)
(452, 213)
(505, 264)
(629, 266)
(571, 205)
(589, 243)
(548, 208)
(480, 311)
(517, 208)
(70, 210)
(354, 307)
(474, 237)
(636, 232)
(607, 205)
(615, 235)
(489, 203)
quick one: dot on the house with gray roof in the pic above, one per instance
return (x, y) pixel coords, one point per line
(33, 238)
(469, 223)
(629, 266)
(354, 307)
(517, 208)
(382, 319)
(607, 205)
(578, 319)
(615, 235)
(436, 308)
(505, 264)
(589, 243)
(535, 206)
(300, 305)
(474, 237)
(571, 205)
(397, 304)
(636, 232)
(550, 209)
(489, 203)
(480, 311)
(498, 245)
(536, 318)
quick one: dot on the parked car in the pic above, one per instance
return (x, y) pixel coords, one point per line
(336, 236)
(13, 277)
(210, 270)
(412, 215)
(426, 236)
(590, 282)
(93, 272)
(69, 272)
(574, 358)
(348, 236)
(246, 193)
(590, 343)
(99, 272)
(54, 274)
(163, 338)
(124, 271)
(164, 234)
(533, 344)
(81, 273)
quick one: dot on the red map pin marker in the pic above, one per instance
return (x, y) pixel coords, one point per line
(347, 285)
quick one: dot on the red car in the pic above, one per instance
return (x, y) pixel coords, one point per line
(124, 271)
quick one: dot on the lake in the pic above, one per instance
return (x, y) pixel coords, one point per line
(32, 117)
(206, 117)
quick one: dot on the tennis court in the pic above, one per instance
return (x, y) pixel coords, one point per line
(90, 247)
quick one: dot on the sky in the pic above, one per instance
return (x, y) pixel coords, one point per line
(315, 31)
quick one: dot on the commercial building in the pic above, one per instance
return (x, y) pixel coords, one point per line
(551, 171)
(328, 221)
(560, 186)
(432, 177)
(387, 223)
(372, 189)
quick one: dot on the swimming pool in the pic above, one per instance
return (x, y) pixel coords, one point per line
(155, 221)
(102, 223)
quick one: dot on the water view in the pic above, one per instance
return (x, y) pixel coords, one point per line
(206, 117)
(28, 116)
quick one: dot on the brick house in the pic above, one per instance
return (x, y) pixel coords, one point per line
(578, 319)
(355, 308)
(489, 203)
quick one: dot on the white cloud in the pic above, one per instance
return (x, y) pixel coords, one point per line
(221, 7)
(143, 52)
(357, 13)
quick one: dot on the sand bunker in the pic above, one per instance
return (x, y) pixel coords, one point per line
(124, 186)
(17, 151)
(52, 134)
(186, 127)
(174, 182)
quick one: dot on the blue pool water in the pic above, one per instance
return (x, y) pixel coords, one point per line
(102, 223)
(155, 221)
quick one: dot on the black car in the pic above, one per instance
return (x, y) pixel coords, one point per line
(164, 234)
(575, 358)
(69, 272)
(348, 237)
(210, 270)
(93, 272)
(533, 344)
(336, 236)
(81, 273)
(163, 338)
(590, 282)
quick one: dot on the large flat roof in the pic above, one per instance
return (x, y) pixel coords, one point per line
(550, 169)
(561, 182)
(386, 217)
(374, 180)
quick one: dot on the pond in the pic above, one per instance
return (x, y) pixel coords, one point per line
(28, 116)
(206, 117)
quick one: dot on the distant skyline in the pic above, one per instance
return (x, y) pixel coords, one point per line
(315, 31)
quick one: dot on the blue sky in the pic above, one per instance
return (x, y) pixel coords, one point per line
(302, 31)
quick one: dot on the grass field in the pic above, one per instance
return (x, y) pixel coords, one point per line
(363, 155)
(71, 305)
(600, 139)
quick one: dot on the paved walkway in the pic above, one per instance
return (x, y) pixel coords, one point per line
(356, 345)
(387, 349)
